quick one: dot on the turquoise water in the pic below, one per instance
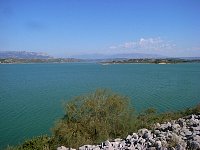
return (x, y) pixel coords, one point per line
(31, 95)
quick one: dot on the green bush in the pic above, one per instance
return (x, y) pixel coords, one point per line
(93, 118)
(37, 143)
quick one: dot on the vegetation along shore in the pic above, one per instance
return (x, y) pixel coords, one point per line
(104, 115)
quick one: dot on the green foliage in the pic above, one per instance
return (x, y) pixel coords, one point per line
(95, 117)
(37, 143)
(149, 117)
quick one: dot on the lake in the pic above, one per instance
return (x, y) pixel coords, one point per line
(31, 95)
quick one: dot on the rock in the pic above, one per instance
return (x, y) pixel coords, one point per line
(151, 148)
(62, 148)
(135, 136)
(156, 132)
(157, 125)
(146, 135)
(175, 126)
(194, 145)
(158, 144)
(115, 144)
(128, 137)
(107, 143)
(185, 132)
(180, 147)
(197, 138)
(142, 141)
(164, 127)
(118, 140)
(196, 128)
(152, 140)
(182, 133)
(141, 132)
(181, 122)
(169, 124)
(96, 148)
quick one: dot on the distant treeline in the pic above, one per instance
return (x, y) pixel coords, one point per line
(51, 60)
(103, 61)
(155, 61)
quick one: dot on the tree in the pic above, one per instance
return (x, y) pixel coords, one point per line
(93, 118)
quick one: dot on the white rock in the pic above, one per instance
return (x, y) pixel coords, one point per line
(141, 132)
(197, 138)
(176, 126)
(118, 140)
(195, 145)
(62, 148)
(158, 144)
(128, 137)
(109, 145)
(135, 136)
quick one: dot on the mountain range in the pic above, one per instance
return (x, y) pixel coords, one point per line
(94, 56)
(39, 55)
(23, 55)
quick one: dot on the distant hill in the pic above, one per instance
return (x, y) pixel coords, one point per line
(114, 56)
(23, 55)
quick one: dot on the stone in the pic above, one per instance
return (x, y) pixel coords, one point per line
(115, 144)
(194, 145)
(163, 127)
(175, 126)
(107, 143)
(118, 140)
(152, 140)
(184, 131)
(156, 132)
(157, 125)
(169, 124)
(141, 132)
(96, 148)
(181, 122)
(128, 137)
(197, 138)
(146, 135)
(151, 148)
(158, 144)
(196, 128)
(142, 141)
(187, 132)
(135, 136)
(62, 148)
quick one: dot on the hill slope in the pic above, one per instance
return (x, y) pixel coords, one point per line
(23, 55)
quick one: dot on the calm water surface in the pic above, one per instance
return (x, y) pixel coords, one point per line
(31, 95)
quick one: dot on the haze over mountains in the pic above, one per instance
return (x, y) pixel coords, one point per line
(94, 56)
(40, 55)
(114, 56)
(24, 55)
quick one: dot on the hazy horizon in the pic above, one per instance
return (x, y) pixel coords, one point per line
(67, 28)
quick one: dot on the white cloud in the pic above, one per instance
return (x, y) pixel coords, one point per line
(145, 44)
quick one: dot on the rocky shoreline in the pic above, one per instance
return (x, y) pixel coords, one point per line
(180, 134)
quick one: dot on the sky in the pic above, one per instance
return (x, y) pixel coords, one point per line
(63, 28)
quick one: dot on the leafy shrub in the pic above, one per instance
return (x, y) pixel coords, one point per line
(37, 143)
(93, 118)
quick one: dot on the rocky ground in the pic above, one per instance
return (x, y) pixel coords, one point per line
(180, 134)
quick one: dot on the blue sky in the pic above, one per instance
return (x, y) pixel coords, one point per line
(69, 27)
